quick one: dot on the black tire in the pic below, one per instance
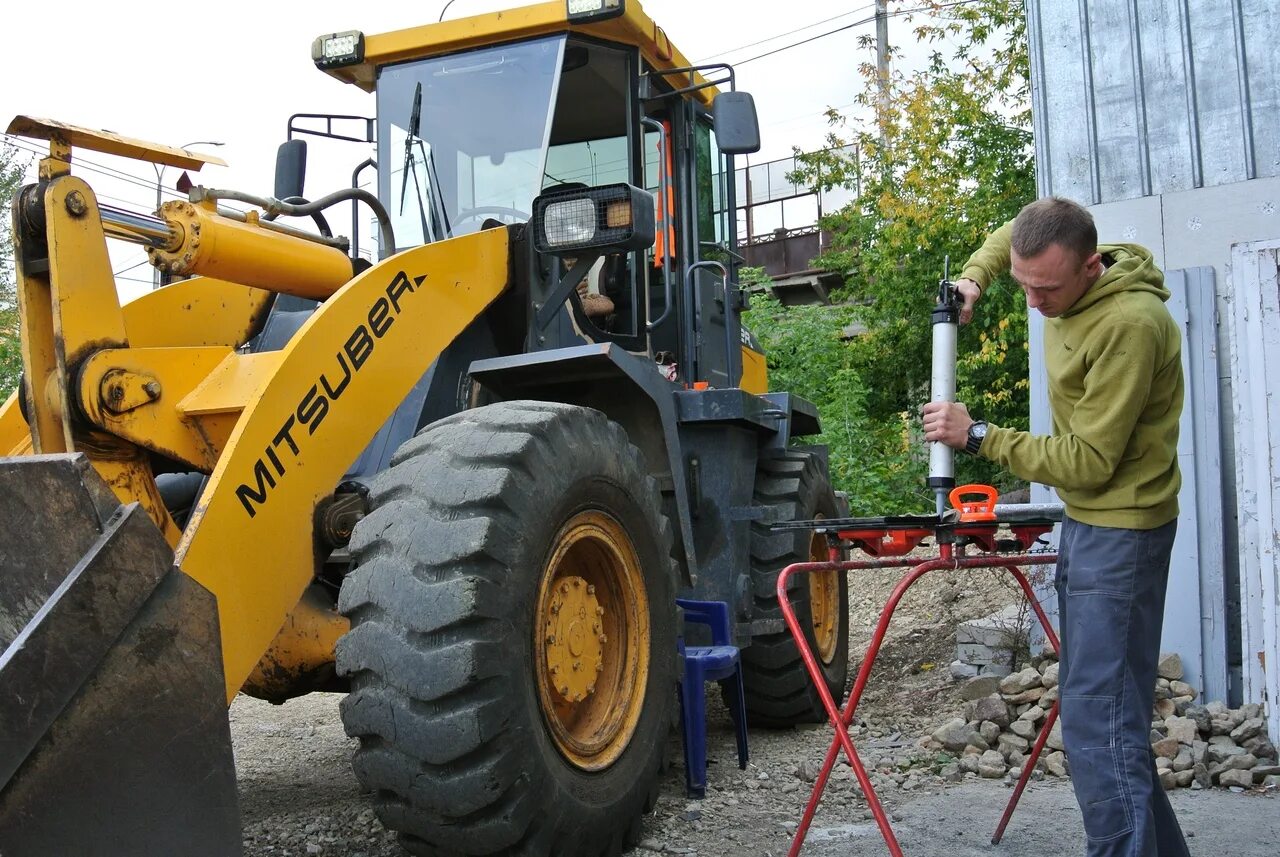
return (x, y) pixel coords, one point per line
(441, 653)
(790, 486)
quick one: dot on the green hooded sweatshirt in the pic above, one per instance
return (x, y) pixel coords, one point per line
(1114, 361)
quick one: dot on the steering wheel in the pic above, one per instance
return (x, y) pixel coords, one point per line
(496, 210)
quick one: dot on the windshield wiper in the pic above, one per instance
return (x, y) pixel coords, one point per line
(415, 122)
(433, 181)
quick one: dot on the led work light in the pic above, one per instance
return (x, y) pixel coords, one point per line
(582, 11)
(613, 218)
(338, 49)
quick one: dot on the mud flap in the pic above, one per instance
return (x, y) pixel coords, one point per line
(112, 705)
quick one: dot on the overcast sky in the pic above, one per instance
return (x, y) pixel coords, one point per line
(234, 71)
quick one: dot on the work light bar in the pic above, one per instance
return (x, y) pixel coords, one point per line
(338, 49)
(582, 11)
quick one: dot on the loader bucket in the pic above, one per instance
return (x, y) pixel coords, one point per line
(114, 736)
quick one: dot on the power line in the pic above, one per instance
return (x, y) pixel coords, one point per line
(808, 114)
(92, 166)
(774, 38)
(130, 268)
(857, 23)
(104, 170)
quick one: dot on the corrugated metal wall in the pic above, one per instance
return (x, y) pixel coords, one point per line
(1141, 97)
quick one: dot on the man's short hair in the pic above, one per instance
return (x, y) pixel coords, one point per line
(1054, 220)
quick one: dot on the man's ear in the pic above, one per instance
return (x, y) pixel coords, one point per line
(1093, 265)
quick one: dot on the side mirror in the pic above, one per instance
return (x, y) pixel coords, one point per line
(291, 169)
(737, 128)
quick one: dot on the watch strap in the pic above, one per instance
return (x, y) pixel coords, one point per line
(973, 442)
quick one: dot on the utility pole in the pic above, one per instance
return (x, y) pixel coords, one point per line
(882, 61)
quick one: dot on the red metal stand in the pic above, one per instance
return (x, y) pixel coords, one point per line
(887, 542)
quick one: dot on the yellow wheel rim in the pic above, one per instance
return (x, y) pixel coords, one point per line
(591, 641)
(824, 602)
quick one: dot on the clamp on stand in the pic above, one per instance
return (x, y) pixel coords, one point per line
(883, 539)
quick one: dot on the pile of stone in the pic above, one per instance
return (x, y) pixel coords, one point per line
(1196, 746)
(985, 646)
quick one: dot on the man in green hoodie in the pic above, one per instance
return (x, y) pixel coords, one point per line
(1113, 357)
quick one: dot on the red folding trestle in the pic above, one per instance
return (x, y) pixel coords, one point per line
(842, 719)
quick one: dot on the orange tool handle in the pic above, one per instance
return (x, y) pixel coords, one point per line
(975, 510)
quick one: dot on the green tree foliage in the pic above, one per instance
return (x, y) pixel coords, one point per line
(12, 168)
(808, 355)
(942, 161)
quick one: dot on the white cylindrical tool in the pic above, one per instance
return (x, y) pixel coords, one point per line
(946, 326)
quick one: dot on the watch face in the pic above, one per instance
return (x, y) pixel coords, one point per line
(978, 430)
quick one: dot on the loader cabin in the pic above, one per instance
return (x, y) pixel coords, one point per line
(581, 119)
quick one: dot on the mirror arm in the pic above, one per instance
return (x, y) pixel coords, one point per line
(732, 79)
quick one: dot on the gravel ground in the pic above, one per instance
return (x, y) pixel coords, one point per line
(298, 795)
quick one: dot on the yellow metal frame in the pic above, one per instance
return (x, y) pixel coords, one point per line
(189, 314)
(66, 311)
(118, 387)
(15, 437)
(249, 540)
(199, 311)
(301, 655)
(68, 136)
(277, 430)
(633, 28)
(755, 372)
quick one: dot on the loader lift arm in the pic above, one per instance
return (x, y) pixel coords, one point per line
(122, 636)
(338, 380)
(301, 415)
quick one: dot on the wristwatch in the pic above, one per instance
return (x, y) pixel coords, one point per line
(977, 434)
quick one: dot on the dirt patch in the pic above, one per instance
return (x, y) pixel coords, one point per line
(299, 796)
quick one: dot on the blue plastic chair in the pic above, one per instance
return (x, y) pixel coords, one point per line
(718, 662)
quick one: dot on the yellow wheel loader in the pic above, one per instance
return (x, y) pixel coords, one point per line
(461, 481)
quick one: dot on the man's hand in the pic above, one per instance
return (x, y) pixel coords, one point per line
(970, 291)
(948, 422)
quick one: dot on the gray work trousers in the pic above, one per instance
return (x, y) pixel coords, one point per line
(1111, 590)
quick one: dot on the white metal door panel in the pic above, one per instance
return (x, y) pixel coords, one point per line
(1255, 360)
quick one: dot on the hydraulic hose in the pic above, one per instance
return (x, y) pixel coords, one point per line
(273, 206)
